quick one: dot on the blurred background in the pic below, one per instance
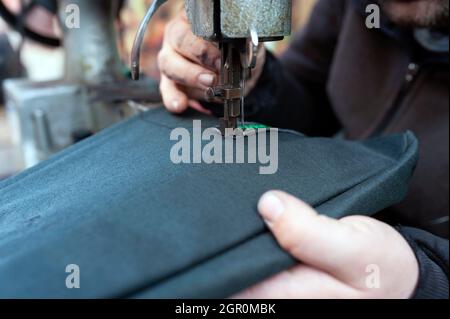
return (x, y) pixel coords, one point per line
(38, 56)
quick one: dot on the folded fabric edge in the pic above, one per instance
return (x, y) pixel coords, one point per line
(239, 268)
(395, 182)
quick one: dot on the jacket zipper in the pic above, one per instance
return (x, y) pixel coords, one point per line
(410, 77)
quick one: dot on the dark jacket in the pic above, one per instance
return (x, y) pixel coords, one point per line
(340, 76)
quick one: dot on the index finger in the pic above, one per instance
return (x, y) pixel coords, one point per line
(180, 37)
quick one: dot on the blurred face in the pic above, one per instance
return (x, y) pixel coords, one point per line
(417, 13)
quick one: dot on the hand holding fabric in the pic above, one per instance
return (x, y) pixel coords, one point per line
(339, 257)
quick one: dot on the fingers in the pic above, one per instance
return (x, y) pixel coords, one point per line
(187, 66)
(314, 239)
(174, 99)
(179, 37)
(182, 71)
(301, 282)
(348, 249)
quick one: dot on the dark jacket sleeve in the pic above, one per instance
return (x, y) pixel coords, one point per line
(432, 253)
(292, 90)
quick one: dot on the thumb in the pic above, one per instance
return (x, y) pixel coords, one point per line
(314, 239)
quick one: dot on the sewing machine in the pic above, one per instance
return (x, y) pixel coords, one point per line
(238, 26)
(96, 91)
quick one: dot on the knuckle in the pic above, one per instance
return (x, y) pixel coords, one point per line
(162, 59)
(164, 91)
(201, 49)
(179, 34)
(170, 26)
(192, 73)
(290, 246)
(181, 78)
(286, 239)
(162, 86)
(203, 53)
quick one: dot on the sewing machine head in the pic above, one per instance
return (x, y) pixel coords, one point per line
(238, 26)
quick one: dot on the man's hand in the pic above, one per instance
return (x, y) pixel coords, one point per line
(339, 258)
(190, 65)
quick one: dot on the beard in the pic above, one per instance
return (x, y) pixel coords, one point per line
(417, 13)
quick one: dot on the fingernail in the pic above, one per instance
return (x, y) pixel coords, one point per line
(218, 64)
(270, 207)
(175, 105)
(206, 79)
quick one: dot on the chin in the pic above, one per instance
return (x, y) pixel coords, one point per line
(417, 13)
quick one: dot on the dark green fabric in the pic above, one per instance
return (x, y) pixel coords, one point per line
(140, 226)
